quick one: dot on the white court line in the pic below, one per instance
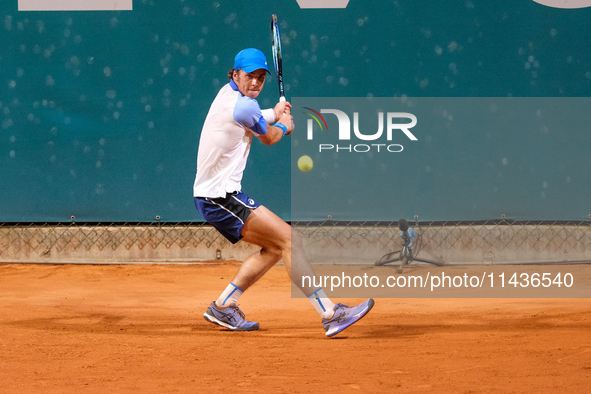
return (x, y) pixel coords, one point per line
(75, 5)
(323, 3)
(565, 3)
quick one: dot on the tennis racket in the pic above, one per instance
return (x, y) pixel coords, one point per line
(277, 55)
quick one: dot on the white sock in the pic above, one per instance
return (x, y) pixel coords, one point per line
(322, 303)
(229, 296)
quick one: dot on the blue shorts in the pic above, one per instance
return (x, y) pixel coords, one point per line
(227, 214)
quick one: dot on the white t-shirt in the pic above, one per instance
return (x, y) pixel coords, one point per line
(225, 141)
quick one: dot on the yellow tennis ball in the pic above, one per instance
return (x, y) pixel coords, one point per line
(305, 163)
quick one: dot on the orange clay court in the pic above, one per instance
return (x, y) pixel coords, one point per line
(139, 328)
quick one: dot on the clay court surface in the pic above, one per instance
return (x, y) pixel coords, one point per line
(139, 328)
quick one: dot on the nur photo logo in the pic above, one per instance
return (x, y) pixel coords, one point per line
(391, 126)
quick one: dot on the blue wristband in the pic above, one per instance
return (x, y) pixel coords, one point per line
(282, 127)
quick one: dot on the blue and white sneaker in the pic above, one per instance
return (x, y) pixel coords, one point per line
(232, 318)
(344, 316)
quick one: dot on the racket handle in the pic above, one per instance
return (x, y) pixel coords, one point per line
(281, 99)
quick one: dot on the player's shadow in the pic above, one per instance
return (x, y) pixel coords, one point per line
(104, 324)
(368, 328)
(550, 322)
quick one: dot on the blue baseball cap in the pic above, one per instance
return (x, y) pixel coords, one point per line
(249, 60)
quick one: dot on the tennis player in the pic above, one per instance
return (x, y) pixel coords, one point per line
(233, 120)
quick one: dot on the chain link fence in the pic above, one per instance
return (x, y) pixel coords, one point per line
(477, 242)
(482, 242)
(112, 242)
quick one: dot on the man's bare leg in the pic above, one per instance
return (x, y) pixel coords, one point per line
(277, 240)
